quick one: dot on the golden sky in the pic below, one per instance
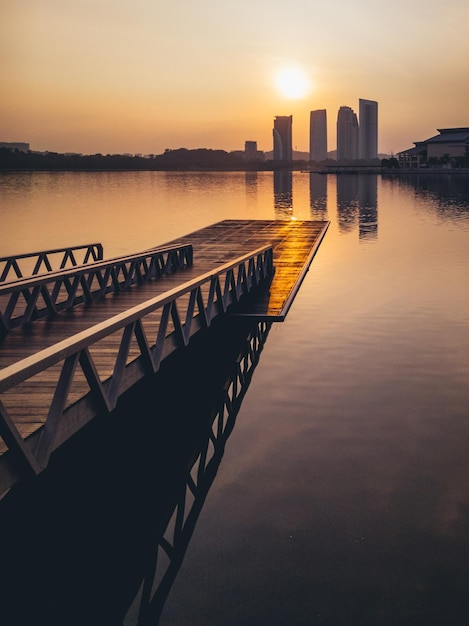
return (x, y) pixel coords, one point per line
(139, 76)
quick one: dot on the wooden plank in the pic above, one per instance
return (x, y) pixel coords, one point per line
(293, 255)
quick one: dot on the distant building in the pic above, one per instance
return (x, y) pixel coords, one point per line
(448, 148)
(22, 147)
(318, 135)
(347, 134)
(250, 150)
(282, 135)
(368, 130)
(451, 142)
(251, 153)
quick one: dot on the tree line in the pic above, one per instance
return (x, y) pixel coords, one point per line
(182, 159)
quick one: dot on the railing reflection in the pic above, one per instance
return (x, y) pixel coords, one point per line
(199, 477)
(109, 540)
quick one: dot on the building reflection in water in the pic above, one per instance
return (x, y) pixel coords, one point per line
(368, 206)
(99, 538)
(251, 179)
(357, 201)
(251, 183)
(318, 195)
(448, 193)
(283, 193)
(347, 201)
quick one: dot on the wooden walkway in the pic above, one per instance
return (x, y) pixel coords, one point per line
(294, 244)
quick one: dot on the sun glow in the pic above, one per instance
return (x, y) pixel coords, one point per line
(292, 82)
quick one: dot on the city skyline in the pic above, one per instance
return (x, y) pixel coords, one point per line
(115, 77)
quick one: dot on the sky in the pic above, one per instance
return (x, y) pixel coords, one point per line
(141, 76)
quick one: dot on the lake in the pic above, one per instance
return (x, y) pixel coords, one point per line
(342, 494)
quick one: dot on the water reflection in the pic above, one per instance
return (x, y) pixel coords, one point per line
(99, 538)
(449, 193)
(318, 195)
(357, 201)
(347, 202)
(344, 498)
(368, 206)
(251, 179)
(283, 193)
(251, 184)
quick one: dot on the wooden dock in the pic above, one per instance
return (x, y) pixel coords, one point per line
(294, 243)
(36, 358)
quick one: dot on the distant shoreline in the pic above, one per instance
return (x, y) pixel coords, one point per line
(200, 160)
(460, 171)
(387, 172)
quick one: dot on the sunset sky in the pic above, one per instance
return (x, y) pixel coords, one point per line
(139, 76)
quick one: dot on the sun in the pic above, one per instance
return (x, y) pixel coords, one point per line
(292, 82)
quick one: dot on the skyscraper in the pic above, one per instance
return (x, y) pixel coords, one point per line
(347, 134)
(318, 135)
(282, 133)
(368, 133)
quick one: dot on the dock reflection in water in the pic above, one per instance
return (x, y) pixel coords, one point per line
(100, 536)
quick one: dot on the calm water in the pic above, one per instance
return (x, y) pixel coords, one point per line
(342, 497)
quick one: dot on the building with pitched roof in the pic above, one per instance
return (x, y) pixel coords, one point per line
(448, 148)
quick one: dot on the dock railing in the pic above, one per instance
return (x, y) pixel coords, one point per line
(154, 329)
(27, 299)
(43, 261)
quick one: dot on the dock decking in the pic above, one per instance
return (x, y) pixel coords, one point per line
(63, 342)
(294, 243)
